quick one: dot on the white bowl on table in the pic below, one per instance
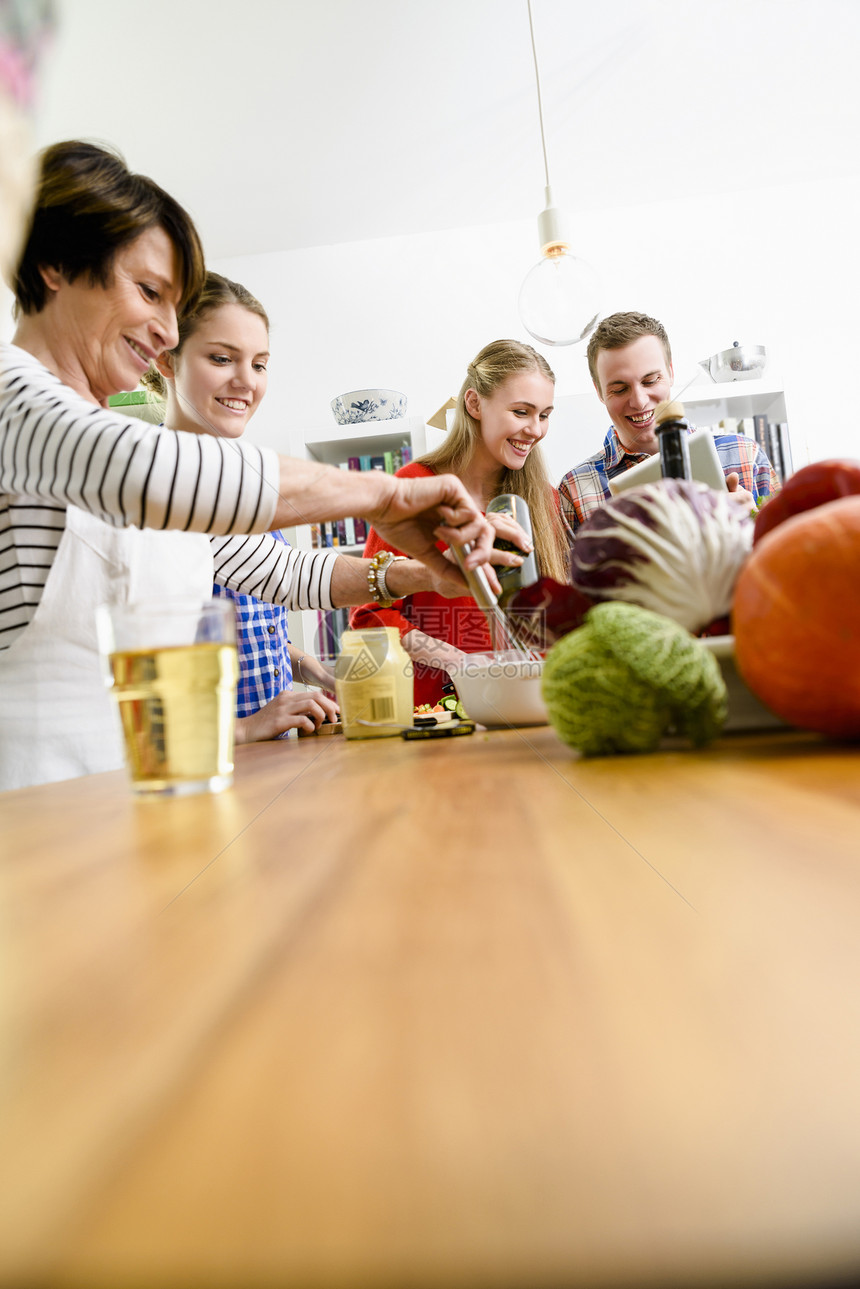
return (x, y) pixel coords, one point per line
(746, 712)
(501, 690)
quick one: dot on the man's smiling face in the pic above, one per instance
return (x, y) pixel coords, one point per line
(631, 381)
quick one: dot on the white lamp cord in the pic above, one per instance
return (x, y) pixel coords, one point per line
(540, 104)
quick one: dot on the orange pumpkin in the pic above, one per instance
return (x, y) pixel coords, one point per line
(796, 619)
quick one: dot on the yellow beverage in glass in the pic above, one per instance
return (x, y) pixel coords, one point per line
(177, 708)
(172, 669)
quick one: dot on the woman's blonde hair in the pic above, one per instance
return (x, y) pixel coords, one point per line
(216, 292)
(492, 366)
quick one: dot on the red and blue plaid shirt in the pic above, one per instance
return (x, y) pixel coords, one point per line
(586, 487)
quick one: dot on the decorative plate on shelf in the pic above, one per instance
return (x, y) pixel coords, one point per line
(361, 405)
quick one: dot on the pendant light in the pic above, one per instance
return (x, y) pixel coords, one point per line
(558, 301)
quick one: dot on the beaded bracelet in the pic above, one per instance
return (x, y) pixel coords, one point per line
(376, 582)
(382, 579)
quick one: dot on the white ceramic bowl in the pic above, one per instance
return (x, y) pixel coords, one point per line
(502, 690)
(361, 405)
(746, 712)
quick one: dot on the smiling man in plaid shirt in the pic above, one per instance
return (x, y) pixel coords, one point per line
(630, 362)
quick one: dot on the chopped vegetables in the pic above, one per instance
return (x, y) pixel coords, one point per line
(450, 703)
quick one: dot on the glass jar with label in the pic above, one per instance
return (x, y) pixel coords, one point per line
(373, 682)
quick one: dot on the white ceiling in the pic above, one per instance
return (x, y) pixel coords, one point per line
(282, 124)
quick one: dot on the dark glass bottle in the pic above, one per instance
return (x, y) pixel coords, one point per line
(672, 431)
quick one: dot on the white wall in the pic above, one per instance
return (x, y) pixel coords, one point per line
(774, 266)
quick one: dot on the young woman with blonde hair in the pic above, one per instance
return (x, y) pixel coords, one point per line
(502, 414)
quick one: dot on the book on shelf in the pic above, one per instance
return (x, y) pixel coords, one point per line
(390, 461)
(760, 432)
(780, 450)
(774, 441)
(785, 449)
(773, 449)
(339, 532)
(326, 641)
(353, 532)
(331, 624)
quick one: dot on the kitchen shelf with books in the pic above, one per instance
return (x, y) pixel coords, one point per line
(367, 438)
(752, 407)
(367, 445)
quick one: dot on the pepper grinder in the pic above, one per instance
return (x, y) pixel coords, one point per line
(672, 430)
(512, 580)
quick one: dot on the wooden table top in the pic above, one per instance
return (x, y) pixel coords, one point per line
(465, 1012)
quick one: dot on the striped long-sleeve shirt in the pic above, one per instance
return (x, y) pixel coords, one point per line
(56, 450)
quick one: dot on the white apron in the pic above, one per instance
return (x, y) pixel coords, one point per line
(57, 720)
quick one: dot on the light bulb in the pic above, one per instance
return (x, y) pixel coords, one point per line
(559, 299)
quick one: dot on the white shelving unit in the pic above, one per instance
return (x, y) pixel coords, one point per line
(711, 404)
(740, 399)
(332, 447)
(371, 438)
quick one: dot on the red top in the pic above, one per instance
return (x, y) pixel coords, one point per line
(459, 622)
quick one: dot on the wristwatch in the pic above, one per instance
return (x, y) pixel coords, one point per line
(376, 571)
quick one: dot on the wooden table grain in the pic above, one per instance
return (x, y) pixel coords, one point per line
(471, 1012)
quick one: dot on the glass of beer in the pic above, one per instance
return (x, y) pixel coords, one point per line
(171, 667)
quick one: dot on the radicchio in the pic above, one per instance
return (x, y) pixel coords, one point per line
(675, 547)
(547, 610)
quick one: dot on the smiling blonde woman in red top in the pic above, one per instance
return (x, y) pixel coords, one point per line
(502, 415)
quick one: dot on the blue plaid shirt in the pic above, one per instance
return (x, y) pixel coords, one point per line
(261, 636)
(586, 487)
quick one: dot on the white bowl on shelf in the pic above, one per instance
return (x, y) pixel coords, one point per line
(741, 362)
(362, 405)
(501, 690)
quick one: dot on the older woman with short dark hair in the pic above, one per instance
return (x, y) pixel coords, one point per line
(89, 207)
(96, 506)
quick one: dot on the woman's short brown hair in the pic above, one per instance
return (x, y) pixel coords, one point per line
(87, 206)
